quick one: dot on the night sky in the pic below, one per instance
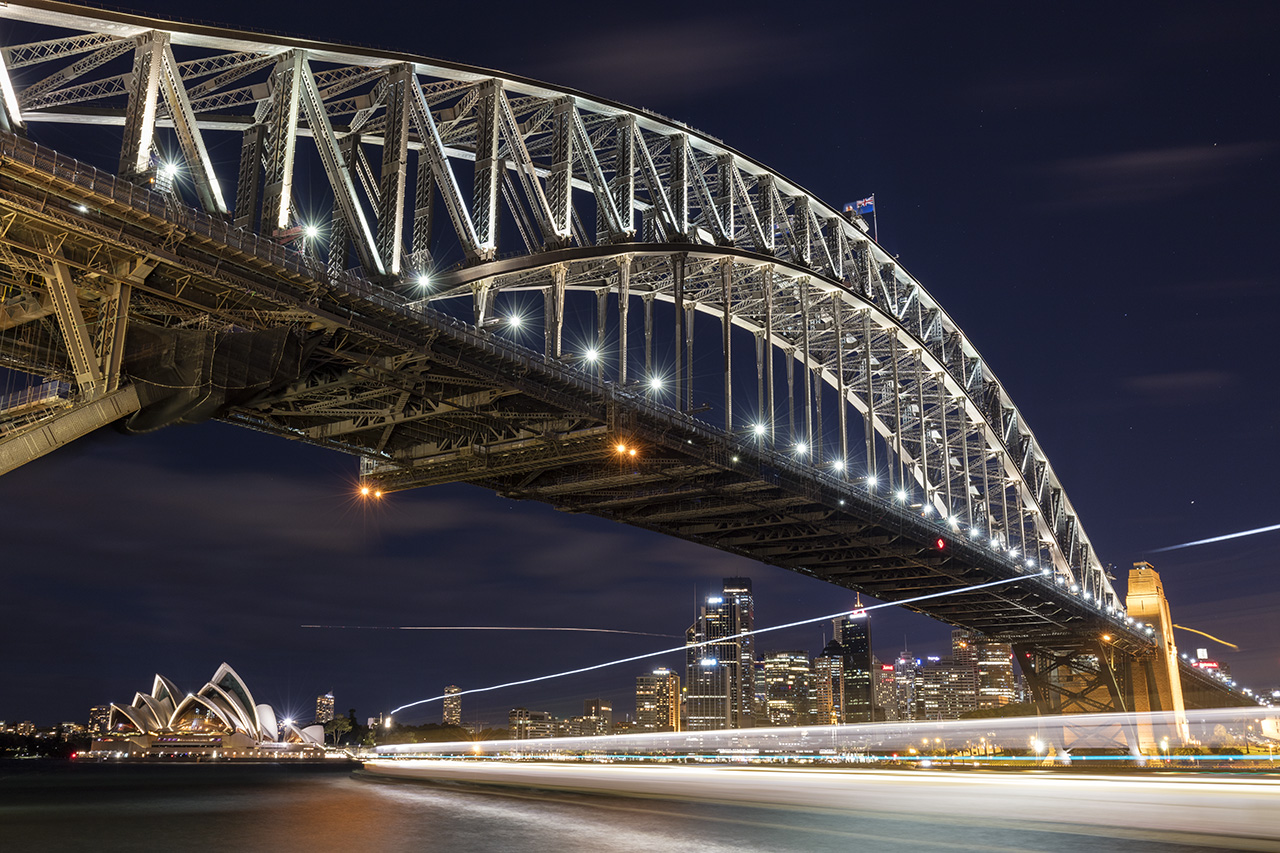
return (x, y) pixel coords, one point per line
(1089, 189)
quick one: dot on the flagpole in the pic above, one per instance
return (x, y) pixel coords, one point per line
(875, 223)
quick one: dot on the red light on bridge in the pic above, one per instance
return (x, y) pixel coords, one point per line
(940, 544)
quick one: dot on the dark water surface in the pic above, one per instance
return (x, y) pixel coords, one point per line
(51, 806)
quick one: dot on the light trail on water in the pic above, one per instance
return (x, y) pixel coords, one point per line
(688, 646)
(1222, 538)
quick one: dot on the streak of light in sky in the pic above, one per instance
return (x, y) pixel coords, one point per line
(1253, 532)
(688, 646)
(483, 628)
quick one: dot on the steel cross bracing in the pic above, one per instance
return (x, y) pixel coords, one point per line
(532, 188)
(424, 397)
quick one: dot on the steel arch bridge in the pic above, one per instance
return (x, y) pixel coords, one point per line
(852, 426)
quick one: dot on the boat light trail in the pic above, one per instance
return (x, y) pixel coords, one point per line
(1210, 636)
(688, 646)
(483, 628)
(1253, 532)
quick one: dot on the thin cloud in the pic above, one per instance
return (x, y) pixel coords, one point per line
(1152, 176)
(1181, 387)
(654, 63)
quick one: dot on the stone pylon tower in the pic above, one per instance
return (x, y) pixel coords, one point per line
(1157, 683)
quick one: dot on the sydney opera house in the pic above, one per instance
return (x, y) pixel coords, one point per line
(220, 720)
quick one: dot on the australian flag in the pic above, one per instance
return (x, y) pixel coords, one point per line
(866, 205)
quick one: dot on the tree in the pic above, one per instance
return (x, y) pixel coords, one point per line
(337, 727)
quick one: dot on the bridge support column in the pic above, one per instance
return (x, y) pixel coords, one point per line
(767, 404)
(249, 182)
(111, 332)
(423, 211)
(75, 334)
(897, 477)
(690, 313)
(1157, 683)
(140, 109)
(395, 168)
(761, 349)
(10, 111)
(809, 441)
(482, 298)
(553, 312)
(790, 353)
(648, 337)
(870, 426)
(602, 307)
(677, 296)
(624, 295)
(842, 408)
(281, 140)
(726, 322)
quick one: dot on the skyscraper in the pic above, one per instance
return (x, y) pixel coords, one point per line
(719, 668)
(827, 686)
(658, 701)
(853, 633)
(706, 678)
(452, 706)
(324, 708)
(996, 684)
(905, 670)
(787, 677)
(738, 596)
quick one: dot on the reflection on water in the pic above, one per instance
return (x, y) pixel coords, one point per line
(48, 807)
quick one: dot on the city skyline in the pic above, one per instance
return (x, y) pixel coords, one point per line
(854, 630)
(1099, 248)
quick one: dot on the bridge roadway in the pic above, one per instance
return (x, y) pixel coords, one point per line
(1008, 810)
(158, 314)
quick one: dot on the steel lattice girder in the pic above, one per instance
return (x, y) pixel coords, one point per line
(805, 278)
(380, 352)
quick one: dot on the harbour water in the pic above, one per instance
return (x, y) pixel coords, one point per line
(52, 806)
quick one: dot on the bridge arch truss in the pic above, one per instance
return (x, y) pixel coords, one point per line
(448, 182)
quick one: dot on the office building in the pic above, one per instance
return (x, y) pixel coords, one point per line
(905, 669)
(946, 689)
(882, 686)
(719, 670)
(99, 720)
(524, 724)
(826, 699)
(996, 684)
(452, 705)
(853, 633)
(597, 717)
(787, 677)
(741, 603)
(324, 708)
(658, 701)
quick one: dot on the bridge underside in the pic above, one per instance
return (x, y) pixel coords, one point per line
(198, 320)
